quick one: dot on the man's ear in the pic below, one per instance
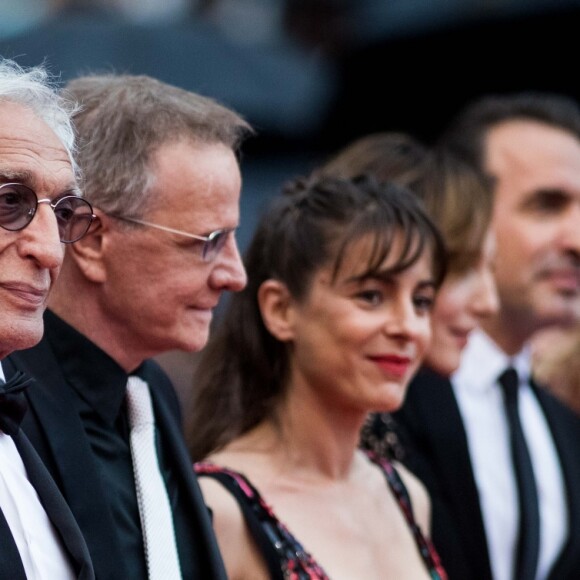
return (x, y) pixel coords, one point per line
(277, 308)
(87, 253)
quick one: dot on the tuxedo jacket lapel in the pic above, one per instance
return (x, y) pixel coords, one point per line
(53, 426)
(433, 433)
(56, 507)
(565, 428)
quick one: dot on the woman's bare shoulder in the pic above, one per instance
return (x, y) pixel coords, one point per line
(241, 556)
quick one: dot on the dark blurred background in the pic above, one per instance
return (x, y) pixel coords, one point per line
(309, 75)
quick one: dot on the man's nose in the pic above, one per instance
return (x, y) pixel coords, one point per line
(40, 239)
(229, 272)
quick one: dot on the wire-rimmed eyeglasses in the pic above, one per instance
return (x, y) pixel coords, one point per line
(212, 243)
(19, 203)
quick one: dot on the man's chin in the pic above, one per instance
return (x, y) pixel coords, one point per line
(564, 311)
(23, 337)
(195, 341)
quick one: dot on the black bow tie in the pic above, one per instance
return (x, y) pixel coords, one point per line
(12, 402)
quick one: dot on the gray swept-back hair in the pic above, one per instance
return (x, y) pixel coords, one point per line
(125, 119)
(34, 88)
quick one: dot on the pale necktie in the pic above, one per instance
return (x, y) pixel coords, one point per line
(154, 509)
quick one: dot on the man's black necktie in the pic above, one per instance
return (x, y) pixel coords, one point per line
(528, 544)
(13, 403)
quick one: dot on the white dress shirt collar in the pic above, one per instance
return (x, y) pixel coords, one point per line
(483, 362)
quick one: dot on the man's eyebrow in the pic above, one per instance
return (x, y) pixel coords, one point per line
(545, 193)
(27, 178)
(71, 189)
(19, 176)
(549, 191)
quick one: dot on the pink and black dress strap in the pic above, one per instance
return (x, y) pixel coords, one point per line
(285, 557)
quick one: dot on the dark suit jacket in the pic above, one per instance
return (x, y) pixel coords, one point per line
(56, 431)
(57, 510)
(431, 429)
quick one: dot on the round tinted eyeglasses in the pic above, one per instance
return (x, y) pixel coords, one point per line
(19, 203)
(213, 243)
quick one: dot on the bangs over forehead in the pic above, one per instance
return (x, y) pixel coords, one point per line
(399, 234)
(319, 222)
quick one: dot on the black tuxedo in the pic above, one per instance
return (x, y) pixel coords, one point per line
(58, 512)
(56, 430)
(431, 429)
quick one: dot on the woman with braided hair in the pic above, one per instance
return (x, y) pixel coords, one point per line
(333, 324)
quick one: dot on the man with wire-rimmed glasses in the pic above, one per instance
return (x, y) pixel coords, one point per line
(40, 211)
(160, 169)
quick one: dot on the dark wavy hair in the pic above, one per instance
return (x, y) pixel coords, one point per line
(467, 132)
(242, 373)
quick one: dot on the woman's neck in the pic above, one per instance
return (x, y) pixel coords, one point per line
(308, 437)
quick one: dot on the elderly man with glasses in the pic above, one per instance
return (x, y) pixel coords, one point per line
(40, 210)
(160, 169)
